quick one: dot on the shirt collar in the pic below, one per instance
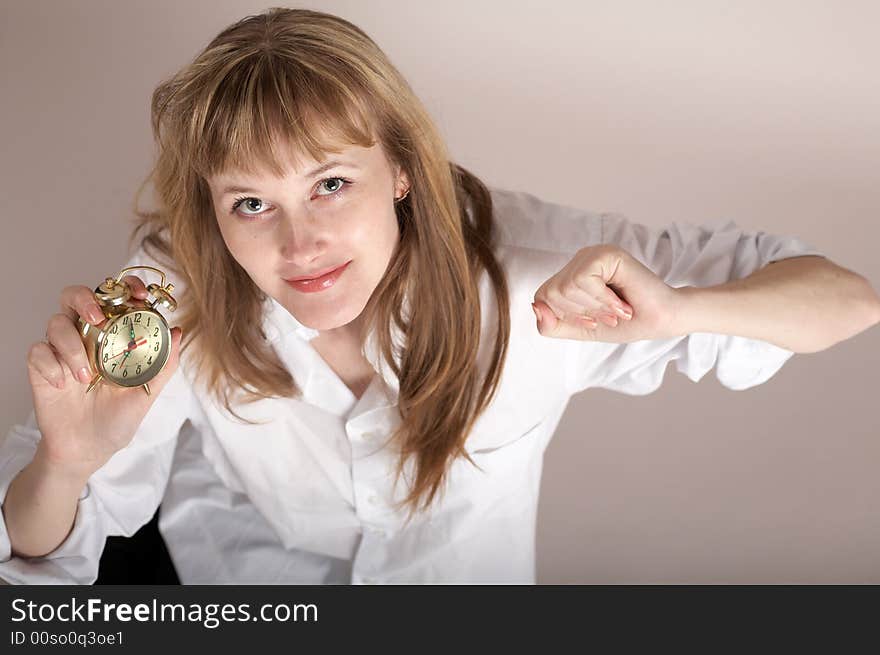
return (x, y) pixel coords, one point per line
(279, 322)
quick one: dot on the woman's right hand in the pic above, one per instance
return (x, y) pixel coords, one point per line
(81, 431)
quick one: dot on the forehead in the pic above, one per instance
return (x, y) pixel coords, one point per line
(301, 165)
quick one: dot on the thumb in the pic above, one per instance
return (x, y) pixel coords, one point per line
(547, 320)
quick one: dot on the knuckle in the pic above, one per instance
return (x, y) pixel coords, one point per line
(68, 291)
(591, 250)
(57, 322)
(36, 352)
(69, 294)
(85, 300)
(554, 295)
(134, 281)
(610, 249)
(569, 288)
(589, 253)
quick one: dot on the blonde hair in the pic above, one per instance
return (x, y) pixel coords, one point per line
(283, 77)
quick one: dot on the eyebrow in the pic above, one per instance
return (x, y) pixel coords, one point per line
(311, 174)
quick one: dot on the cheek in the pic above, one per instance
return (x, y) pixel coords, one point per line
(243, 246)
(368, 231)
(381, 233)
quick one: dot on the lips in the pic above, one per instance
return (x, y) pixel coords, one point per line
(319, 283)
(303, 278)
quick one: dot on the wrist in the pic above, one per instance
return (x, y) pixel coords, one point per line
(690, 309)
(66, 473)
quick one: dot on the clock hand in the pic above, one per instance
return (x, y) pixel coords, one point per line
(128, 350)
(138, 344)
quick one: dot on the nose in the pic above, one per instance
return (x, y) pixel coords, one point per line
(302, 242)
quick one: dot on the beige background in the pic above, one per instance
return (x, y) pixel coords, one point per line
(767, 113)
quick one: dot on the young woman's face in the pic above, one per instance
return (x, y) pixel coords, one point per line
(306, 223)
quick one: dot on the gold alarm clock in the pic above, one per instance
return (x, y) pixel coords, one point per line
(133, 344)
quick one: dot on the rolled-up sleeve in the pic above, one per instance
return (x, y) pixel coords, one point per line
(684, 254)
(118, 498)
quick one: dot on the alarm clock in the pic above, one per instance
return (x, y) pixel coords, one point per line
(133, 344)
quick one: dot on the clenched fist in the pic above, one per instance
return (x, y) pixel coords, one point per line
(605, 283)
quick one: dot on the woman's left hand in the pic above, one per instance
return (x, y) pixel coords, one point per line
(596, 281)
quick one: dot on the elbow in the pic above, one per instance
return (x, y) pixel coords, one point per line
(865, 314)
(875, 314)
(872, 305)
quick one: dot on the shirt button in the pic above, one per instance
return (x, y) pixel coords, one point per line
(379, 532)
(373, 499)
(372, 435)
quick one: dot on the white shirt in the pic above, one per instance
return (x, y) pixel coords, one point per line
(305, 497)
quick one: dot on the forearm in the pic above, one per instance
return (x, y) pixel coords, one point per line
(804, 304)
(40, 507)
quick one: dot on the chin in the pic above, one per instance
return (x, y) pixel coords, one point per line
(331, 320)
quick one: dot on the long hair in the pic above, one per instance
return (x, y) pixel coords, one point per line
(284, 77)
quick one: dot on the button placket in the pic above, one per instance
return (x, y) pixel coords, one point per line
(377, 532)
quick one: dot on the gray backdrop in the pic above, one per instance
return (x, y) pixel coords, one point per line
(767, 113)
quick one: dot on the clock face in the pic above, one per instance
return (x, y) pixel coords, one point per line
(134, 348)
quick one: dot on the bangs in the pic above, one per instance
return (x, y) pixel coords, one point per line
(262, 114)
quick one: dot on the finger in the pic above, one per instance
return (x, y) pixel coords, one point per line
(573, 328)
(564, 309)
(614, 304)
(587, 295)
(546, 316)
(136, 286)
(64, 337)
(43, 365)
(551, 326)
(600, 292)
(569, 298)
(79, 301)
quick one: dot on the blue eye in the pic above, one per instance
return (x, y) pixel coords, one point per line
(331, 179)
(238, 202)
(333, 192)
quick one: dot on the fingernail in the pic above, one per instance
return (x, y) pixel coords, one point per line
(83, 375)
(59, 383)
(96, 315)
(537, 314)
(620, 310)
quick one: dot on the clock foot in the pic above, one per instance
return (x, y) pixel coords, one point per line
(147, 388)
(94, 382)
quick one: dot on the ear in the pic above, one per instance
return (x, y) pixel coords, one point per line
(402, 183)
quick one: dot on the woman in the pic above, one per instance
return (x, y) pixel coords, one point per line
(357, 391)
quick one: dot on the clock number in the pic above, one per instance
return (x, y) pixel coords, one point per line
(106, 357)
(125, 320)
(156, 348)
(113, 368)
(149, 360)
(137, 317)
(149, 318)
(125, 372)
(114, 329)
(106, 341)
(156, 333)
(138, 370)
